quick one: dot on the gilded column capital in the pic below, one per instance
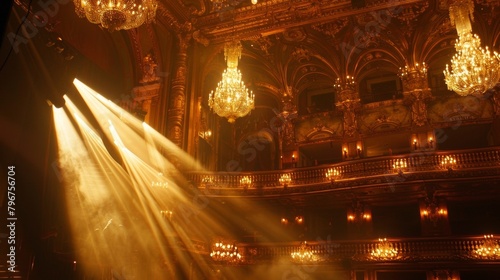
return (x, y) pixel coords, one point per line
(416, 91)
(414, 77)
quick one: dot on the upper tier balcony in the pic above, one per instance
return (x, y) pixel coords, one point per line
(437, 166)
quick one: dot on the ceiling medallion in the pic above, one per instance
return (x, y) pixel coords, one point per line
(117, 14)
(294, 35)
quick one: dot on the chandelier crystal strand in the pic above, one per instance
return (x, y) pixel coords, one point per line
(117, 14)
(231, 99)
(461, 15)
(473, 69)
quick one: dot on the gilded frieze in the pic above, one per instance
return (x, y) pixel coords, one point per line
(331, 28)
(318, 127)
(384, 118)
(453, 109)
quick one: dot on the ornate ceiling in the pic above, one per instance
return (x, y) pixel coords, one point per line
(290, 47)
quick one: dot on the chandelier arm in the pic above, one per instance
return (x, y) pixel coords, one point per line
(117, 14)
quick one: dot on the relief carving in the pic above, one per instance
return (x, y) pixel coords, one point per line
(301, 55)
(331, 28)
(149, 69)
(294, 35)
(350, 122)
(418, 99)
(411, 12)
(349, 101)
(416, 91)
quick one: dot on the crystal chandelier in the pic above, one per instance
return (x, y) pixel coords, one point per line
(399, 165)
(489, 249)
(473, 69)
(231, 98)
(384, 251)
(227, 253)
(332, 174)
(285, 180)
(117, 14)
(246, 182)
(303, 254)
(448, 162)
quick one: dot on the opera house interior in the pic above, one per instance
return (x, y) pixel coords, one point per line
(250, 139)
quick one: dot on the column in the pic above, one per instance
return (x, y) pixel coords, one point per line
(286, 133)
(416, 91)
(177, 99)
(348, 102)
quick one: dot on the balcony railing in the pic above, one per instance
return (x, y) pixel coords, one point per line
(379, 170)
(408, 249)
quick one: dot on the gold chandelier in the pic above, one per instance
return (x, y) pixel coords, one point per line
(384, 251)
(227, 253)
(490, 249)
(285, 180)
(473, 70)
(246, 182)
(332, 174)
(231, 98)
(303, 254)
(117, 14)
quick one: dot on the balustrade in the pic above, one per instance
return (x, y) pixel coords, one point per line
(358, 169)
(443, 248)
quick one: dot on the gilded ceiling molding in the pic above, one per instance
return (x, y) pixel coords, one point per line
(167, 18)
(410, 13)
(198, 12)
(200, 38)
(331, 28)
(277, 16)
(263, 44)
(295, 34)
(267, 87)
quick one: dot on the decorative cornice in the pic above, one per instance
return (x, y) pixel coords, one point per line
(274, 17)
